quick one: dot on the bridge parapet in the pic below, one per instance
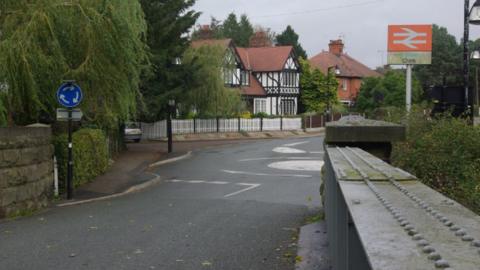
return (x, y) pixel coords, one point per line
(381, 217)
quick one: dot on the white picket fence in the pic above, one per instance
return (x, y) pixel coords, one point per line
(158, 129)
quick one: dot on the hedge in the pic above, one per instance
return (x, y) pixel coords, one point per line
(444, 153)
(90, 155)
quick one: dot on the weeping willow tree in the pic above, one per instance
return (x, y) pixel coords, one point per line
(98, 43)
(209, 96)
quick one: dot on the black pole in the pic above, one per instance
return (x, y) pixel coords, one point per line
(169, 130)
(466, 58)
(70, 157)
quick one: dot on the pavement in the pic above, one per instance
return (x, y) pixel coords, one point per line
(236, 205)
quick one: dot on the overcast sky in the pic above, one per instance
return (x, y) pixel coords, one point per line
(362, 24)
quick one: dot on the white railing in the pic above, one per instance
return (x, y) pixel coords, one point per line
(158, 129)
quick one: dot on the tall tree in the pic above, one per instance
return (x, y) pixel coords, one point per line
(245, 32)
(386, 91)
(97, 43)
(230, 27)
(209, 97)
(318, 90)
(168, 23)
(446, 61)
(289, 37)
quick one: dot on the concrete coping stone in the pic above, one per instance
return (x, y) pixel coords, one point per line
(359, 129)
(397, 217)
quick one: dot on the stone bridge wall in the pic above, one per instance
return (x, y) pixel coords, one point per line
(26, 169)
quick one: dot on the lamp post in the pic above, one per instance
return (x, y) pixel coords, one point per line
(475, 103)
(337, 72)
(171, 108)
(471, 16)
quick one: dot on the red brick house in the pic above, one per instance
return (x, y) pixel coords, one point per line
(351, 71)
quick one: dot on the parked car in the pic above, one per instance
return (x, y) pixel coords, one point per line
(133, 132)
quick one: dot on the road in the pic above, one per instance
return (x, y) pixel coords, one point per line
(227, 207)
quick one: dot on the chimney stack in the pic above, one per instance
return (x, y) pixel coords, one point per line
(336, 47)
(260, 39)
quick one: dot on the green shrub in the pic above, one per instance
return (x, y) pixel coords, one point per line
(90, 155)
(260, 115)
(444, 153)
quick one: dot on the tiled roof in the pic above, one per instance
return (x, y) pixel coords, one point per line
(265, 58)
(211, 42)
(254, 89)
(348, 66)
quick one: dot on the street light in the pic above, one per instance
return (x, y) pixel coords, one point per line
(471, 16)
(171, 108)
(475, 56)
(474, 16)
(337, 72)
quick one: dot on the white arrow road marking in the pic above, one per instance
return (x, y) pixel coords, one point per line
(295, 144)
(410, 36)
(250, 186)
(267, 174)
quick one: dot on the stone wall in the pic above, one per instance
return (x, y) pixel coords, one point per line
(26, 169)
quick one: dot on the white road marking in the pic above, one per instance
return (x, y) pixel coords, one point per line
(317, 152)
(295, 144)
(175, 181)
(196, 181)
(273, 158)
(250, 186)
(217, 183)
(298, 165)
(268, 174)
(288, 150)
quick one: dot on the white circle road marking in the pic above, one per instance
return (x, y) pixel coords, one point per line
(298, 165)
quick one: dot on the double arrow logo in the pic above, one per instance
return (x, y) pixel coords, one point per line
(410, 38)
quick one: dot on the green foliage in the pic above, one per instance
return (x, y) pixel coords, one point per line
(90, 155)
(168, 23)
(289, 37)
(3, 110)
(445, 154)
(389, 90)
(318, 90)
(208, 95)
(260, 115)
(239, 31)
(447, 61)
(97, 43)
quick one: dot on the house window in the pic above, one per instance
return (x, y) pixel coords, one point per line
(244, 77)
(344, 84)
(260, 106)
(288, 107)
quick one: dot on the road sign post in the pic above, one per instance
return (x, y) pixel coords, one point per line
(69, 95)
(409, 45)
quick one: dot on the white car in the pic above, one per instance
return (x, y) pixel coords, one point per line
(133, 132)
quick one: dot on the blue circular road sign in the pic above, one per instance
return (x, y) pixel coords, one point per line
(69, 95)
